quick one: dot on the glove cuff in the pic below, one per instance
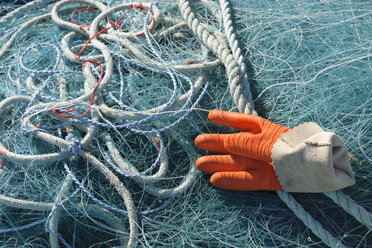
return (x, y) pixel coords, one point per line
(308, 159)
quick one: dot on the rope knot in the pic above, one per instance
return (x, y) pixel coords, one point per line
(75, 145)
(59, 112)
(137, 6)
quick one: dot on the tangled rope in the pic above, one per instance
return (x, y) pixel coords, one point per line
(236, 84)
(55, 107)
(74, 97)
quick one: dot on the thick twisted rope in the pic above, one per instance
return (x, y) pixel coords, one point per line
(74, 146)
(235, 49)
(235, 89)
(353, 208)
(26, 7)
(226, 49)
(112, 178)
(53, 223)
(349, 205)
(71, 209)
(209, 39)
(309, 221)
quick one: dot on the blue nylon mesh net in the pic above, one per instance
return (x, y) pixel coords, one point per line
(306, 61)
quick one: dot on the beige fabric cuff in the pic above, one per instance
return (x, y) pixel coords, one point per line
(308, 159)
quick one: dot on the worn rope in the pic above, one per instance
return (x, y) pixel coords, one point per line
(210, 41)
(350, 206)
(38, 103)
(100, 127)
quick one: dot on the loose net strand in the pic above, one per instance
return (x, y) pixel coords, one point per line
(344, 201)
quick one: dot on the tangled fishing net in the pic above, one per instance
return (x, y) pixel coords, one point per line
(101, 101)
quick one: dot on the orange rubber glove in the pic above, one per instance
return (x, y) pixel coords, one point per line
(247, 165)
(267, 156)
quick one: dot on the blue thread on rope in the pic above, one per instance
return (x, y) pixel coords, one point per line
(75, 145)
(162, 207)
(130, 126)
(156, 114)
(102, 204)
(55, 208)
(20, 228)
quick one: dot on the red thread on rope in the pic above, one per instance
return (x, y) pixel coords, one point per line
(134, 6)
(157, 141)
(115, 24)
(82, 68)
(58, 112)
(77, 11)
(191, 62)
(138, 6)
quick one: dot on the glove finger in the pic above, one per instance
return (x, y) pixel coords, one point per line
(239, 121)
(254, 146)
(244, 180)
(220, 163)
(246, 145)
(211, 142)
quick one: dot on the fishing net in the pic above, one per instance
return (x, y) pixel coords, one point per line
(100, 102)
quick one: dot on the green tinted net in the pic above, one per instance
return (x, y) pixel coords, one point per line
(101, 101)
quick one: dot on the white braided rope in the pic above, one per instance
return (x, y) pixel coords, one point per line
(24, 204)
(239, 89)
(53, 237)
(115, 222)
(25, 8)
(234, 45)
(348, 204)
(209, 39)
(110, 176)
(309, 221)
(5, 48)
(353, 208)
(89, 81)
